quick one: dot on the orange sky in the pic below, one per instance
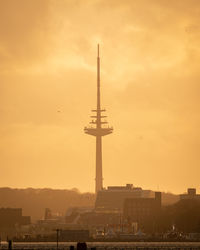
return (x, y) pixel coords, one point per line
(150, 78)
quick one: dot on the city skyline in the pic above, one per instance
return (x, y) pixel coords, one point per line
(150, 81)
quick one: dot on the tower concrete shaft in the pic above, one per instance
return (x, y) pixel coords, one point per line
(98, 129)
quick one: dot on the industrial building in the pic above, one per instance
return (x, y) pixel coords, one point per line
(142, 210)
(112, 198)
(74, 235)
(12, 221)
(191, 194)
(9, 217)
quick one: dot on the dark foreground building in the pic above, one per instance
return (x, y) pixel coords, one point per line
(10, 220)
(112, 198)
(10, 217)
(191, 194)
(74, 235)
(144, 211)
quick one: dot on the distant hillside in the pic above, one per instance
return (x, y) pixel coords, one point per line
(34, 201)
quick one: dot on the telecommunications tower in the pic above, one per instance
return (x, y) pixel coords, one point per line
(98, 129)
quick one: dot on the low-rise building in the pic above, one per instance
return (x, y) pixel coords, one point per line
(74, 235)
(112, 198)
(12, 221)
(191, 194)
(10, 217)
(142, 210)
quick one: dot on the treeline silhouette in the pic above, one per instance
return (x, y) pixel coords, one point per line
(184, 215)
(34, 201)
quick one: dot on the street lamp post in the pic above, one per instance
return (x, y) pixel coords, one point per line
(57, 237)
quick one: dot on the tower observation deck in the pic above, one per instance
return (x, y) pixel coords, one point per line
(98, 128)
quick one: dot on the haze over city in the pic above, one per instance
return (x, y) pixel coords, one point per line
(149, 86)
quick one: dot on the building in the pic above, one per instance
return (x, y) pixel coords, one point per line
(191, 194)
(74, 235)
(12, 222)
(143, 211)
(102, 219)
(10, 217)
(112, 198)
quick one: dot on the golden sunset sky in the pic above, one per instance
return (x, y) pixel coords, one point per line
(150, 82)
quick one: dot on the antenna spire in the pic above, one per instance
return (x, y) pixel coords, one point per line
(97, 50)
(98, 130)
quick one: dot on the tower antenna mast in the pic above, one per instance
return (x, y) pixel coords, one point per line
(98, 129)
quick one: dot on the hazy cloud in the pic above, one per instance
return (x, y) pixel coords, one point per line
(150, 85)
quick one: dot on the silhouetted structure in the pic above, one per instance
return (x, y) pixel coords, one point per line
(9, 244)
(81, 246)
(191, 194)
(112, 198)
(98, 131)
(9, 217)
(11, 220)
(142, 210)
(74, 235)
(184, 215)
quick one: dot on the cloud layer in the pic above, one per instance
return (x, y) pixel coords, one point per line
(150, 86)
